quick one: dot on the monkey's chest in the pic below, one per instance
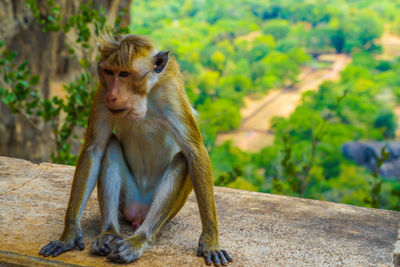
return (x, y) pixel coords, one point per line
(148, 150)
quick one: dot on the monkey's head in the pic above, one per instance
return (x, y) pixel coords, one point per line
(128, 69)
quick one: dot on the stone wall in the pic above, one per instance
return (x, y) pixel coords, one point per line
(258, 229)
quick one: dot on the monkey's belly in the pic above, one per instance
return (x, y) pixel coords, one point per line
(136, 213)
(148, 150)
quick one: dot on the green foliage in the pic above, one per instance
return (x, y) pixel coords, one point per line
(279, 28)
(362, 30)
(354, 115)
(81, 23)
(297, 174)
(226, 54)
(50, 21)
(77, 108)
(279, 64)
(376, 184)
(387, 122)
(234, 168)
(17, 87)
(220, 116)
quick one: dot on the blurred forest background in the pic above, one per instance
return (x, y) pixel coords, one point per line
(294, 97)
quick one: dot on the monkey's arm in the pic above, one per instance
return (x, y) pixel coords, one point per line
(187, 134)
(85, 177)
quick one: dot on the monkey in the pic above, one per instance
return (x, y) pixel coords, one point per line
(144, 150)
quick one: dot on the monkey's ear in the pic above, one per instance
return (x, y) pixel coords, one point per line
(160, 60)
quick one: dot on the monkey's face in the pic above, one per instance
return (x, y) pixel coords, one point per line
(125, 91)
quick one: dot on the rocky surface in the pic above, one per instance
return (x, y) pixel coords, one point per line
(366, 154)
(258, 229)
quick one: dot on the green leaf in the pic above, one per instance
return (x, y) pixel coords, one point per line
(11, 56)
(24, 83)
(34, 80)
(12, 75)
(10, 98)
(55, 10)
(6, 79)
(23, 66)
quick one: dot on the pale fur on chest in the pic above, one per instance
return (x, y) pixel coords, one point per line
(148, 148)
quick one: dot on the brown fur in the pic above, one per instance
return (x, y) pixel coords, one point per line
(122, 50)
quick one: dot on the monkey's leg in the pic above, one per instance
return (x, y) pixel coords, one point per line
(169, 198)
(113, 172)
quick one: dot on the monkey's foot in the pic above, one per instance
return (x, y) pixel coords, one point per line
(57, 247)
(218, 257)
(103, 244)
(128, 250)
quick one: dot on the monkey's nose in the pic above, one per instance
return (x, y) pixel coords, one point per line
(111, 98)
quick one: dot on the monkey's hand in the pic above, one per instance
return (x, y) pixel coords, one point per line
(212, 253)
(128, 250)
(57, 247)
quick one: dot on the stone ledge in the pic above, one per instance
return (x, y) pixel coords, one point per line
(258, 229)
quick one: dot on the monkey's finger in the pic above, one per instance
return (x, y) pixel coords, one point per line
(115, 239)
(111, 256)
(207, 257)
(114, 256)
(120, 246)
(227, 256)
(114, 249)
(107, 246)
(114, 253)
(79, 243)
(222, 258)
(216, 260)
(105, 251)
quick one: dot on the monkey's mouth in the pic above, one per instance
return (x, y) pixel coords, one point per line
(117, 111)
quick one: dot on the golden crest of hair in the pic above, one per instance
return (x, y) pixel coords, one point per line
(121, 50)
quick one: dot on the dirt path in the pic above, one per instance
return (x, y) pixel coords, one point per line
(253, 133)
(390, 46)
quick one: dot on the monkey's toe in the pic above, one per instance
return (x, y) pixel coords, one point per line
(55, 248)
(123, 252)
(103, 244)
(218, 257)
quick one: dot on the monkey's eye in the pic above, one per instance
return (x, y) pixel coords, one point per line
(108, 71)
(124, 74)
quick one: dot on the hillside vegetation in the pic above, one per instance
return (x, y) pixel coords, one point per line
(230, 49)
